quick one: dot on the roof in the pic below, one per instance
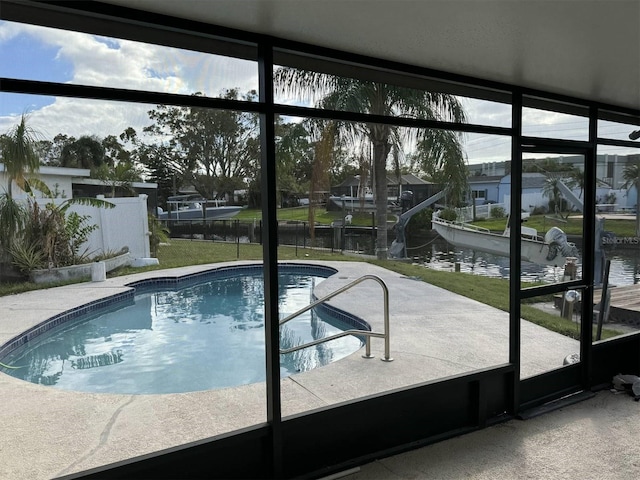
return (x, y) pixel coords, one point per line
(587, 50)
(485, 178)
(529, 180)
(60, 171)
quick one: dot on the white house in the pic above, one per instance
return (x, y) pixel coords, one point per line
(123, 226)
(58, 179)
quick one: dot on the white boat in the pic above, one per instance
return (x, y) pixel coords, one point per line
(553, 249)
(194, 207)
(366, 203)
(346, 202)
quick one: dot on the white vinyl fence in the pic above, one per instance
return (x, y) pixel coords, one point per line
(126, 225)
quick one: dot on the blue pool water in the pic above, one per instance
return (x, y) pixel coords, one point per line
(206, 336)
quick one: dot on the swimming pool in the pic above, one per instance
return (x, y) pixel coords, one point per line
(171, 335)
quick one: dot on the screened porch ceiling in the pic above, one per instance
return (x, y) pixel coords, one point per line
(583, 48)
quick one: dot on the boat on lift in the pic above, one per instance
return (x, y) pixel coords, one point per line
(194, 207)
(552, 249)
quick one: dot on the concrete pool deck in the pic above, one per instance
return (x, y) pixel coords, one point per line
(434, 334)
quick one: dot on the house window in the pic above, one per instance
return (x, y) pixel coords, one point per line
(482, 194)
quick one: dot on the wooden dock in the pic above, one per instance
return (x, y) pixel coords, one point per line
(625, 305)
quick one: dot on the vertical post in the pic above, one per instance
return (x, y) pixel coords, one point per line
(373, 230)
(270, 254)
(237, 239)
(342, 232)
(515, 263)
(296, 236)
(588, 248)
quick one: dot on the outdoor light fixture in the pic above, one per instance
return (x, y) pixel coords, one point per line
(634, 135)
(572, 296)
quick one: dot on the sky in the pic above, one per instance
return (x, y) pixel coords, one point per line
(47, 54)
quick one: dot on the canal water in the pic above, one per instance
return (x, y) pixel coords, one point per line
(427, 249)
(436, 253)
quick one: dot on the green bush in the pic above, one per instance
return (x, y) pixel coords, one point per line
(27, 257)
(449, 214)
(422, 220)
(498, 212)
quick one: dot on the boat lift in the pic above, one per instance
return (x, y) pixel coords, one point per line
(398, 247)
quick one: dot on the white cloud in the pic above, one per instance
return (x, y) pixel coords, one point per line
(100, 61)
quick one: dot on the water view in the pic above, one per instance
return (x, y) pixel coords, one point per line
(436, 253)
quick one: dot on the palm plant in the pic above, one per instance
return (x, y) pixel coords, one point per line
(19, 155)
(631, 176)
(58, 234)
(20, 158)
(551, 190)
(347, 94)
(119, 176)
(577, 180)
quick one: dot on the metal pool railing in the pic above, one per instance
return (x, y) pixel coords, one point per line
(368, 334)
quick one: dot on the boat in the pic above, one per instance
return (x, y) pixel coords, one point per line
(194, 207)
(552, 249)
(364, 204)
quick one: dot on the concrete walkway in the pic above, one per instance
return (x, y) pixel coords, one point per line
(434, 333)
(593, 440)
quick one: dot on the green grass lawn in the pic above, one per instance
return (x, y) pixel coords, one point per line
(572, 226)
(490, 291)
(301, 214)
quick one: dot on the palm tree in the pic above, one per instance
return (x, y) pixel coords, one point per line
(347, 94)
(19, 155)
(18, 148)
(551, 190)
(577, 180)
(119, 176)
(631, 176)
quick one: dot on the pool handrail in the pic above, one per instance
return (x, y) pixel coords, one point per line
(368, 334)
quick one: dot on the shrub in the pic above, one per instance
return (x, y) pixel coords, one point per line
(540, 210)
(498, 212)
(158, 233)
(27, 257)
(420, 221)
(58, 236)
(448, 214)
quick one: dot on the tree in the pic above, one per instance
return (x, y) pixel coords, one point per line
(19, 156)
(551, 190)
(576, 180)
(294, 157)
(119, 177)
(85, 152)
(157, 161)
(213, 150)
(347, 94)
(442, 159)
(631, 176)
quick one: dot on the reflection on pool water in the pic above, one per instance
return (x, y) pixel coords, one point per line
(206, 336)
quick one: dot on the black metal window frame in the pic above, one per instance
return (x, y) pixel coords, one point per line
(274, 440)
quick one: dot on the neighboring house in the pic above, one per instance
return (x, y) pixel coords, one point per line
(610, 168)
(91, 187)
(421, 189)
(484, 189)
(532, 196)
(488, 169)
(125, 225)
(59, 180)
